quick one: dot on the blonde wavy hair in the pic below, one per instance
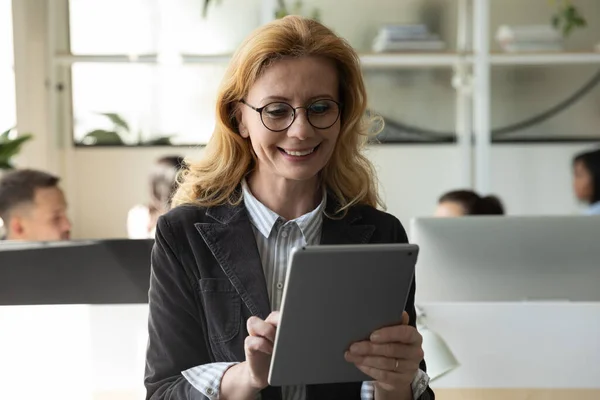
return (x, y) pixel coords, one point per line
(228, 157)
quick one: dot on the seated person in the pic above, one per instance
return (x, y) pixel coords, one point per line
(33, 207)
(459, 203)
(586, 180)
(141, 219)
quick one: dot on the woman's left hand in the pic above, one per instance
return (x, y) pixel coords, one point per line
(391, 356)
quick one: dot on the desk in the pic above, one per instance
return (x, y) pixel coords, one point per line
(520, 350)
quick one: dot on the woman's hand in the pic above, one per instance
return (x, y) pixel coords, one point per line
(245, 380)
(391, 357)
(259, 347)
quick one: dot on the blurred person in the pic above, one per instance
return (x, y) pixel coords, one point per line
(141, 219)
(586, 180)
(459, 203)
(33, 207)
(284, 167)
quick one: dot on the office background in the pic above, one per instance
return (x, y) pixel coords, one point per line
(532, 177)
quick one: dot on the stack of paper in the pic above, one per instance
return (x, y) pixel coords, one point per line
(529, 38)
(403, 37)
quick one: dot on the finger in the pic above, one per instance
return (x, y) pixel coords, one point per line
(255, 344)
(258, 327)
(399, 333)
(382, 376)
(273, 318)
(405, 318)
(384, 363)
(390, 350)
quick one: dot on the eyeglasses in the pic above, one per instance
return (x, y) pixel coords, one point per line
(279, 116)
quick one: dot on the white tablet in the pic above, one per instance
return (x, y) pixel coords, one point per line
(336, 295)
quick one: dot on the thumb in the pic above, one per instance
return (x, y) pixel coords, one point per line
(405, 318)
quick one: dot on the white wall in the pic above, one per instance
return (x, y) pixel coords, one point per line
(531, 179)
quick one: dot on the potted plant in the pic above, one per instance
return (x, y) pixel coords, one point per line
(10, 145)
(567, 17)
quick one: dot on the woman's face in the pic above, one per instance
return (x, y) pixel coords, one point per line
(582, 182)
(301, 151)
(449, 209)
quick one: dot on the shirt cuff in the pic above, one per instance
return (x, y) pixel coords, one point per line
(207, 378)
(418, 385)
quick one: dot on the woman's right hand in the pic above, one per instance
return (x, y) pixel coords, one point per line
(245, 380)
(258, 347)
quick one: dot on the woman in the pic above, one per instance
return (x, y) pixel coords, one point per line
(586, 180)
(459, 203)
(141, 219)
(284, 167)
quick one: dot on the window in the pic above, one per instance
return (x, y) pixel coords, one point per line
(139, 75)
(8, 113)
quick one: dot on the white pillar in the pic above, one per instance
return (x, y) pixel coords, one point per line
(462, 84)
(481, 95)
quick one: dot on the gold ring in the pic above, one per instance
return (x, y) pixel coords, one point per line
(396, 367)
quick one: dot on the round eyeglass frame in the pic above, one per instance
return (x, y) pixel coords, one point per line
(259, 110)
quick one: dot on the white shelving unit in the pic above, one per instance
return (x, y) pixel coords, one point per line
(471, 62)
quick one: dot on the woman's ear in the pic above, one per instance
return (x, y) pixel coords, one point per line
(240, 124)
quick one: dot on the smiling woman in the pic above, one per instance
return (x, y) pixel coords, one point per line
(283, 168)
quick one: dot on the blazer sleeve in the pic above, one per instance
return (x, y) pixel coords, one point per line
(401, 237)
(175, 325)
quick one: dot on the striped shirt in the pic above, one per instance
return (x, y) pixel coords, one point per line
(275, 238)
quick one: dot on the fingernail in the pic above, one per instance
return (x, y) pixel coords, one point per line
(375, 336)
(347, 354)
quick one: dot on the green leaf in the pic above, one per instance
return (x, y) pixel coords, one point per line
(10, 148)
(117, 120)
(160, 141)
(555, 21)
(102, 137)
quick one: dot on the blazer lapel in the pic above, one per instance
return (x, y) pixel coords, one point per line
(231, 240)
(346, 230)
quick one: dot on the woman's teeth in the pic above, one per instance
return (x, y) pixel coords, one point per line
(299, 153)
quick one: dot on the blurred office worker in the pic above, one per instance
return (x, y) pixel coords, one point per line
(33, 207)
(586, 180)
(141, 219)
(459, 203)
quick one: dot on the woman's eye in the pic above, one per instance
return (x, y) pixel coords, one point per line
(277, 111)
(320, 108)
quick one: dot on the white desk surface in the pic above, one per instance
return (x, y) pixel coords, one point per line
(519, 345)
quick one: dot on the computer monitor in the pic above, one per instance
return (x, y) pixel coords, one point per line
(75, 272)
(504, 258)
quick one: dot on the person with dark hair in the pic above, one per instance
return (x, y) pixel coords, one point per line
(586, 180)
(33, 207)
(141, 220)
(459, 203)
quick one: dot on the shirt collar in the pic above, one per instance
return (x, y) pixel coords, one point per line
(264, 219)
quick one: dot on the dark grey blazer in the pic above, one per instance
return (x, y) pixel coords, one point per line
(207, 280)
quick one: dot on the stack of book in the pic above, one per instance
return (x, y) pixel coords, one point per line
(406, 37)
(529, 38)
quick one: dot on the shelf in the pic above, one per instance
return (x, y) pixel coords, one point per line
(68, 59)
(545, 58)
(368, 61)
(395, 60)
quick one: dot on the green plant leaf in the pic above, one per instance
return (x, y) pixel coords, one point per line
(117, 120)
(102, 137)
(10, 148)
(160, 141)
